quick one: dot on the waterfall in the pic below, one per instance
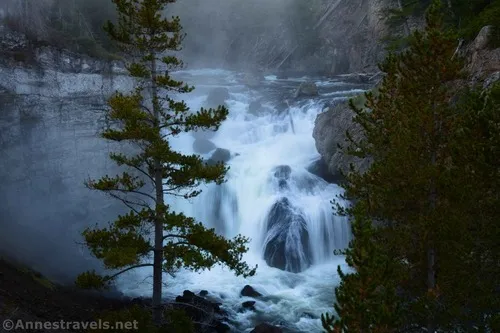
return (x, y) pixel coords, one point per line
(270, 197)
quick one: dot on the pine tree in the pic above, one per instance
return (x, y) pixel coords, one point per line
(147, 118)
(410, 131)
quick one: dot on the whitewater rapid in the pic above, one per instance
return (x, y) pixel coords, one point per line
(259, 144)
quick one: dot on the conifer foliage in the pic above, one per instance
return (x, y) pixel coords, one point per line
(147, 118)
(425, 227)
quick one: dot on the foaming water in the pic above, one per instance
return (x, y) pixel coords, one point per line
(267, 187)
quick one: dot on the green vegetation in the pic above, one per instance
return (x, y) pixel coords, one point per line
(465, 17)
(147, 118)
(425, 215)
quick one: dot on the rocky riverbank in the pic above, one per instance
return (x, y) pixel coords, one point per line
(482, 63)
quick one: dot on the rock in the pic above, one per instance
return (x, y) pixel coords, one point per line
(320, 169)
(203, 146)
(483, 38)
(482, 60)
(282, 173)
(253, 80)
(306, 89)
(216, 96)
(266, 328)
(203, 293)
(203, 134)
(281, 76)
(248, 305)
(255, 108)
(201, 310)
(249, 291)
(329, 132)
(287, 242)
(219, 155)
(222, 328)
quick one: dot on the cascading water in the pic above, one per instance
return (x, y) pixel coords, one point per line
(271, 198)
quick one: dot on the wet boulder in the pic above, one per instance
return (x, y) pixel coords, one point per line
(201, 310)
(219, 155)
(216, 96)
(255, 108)
(203, 134)
(282, 174)
(306, 89)
(247, 306)
(266, 328)
(320, 168)
(249, 291)
(287, 240)
(203, 146)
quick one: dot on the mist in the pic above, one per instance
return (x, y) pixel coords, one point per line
(49, 146)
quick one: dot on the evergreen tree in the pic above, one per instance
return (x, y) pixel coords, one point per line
(427, 149)
(148, 117)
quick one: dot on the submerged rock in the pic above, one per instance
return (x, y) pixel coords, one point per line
(248, 306)
(219, 155)
(216, 96)
(203, 146)
(287, 240)
(282, 173)
(255, 108)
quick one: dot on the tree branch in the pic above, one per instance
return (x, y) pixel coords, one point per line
(128, 269)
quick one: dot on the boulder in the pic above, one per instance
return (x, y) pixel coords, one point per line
(203, 134)
(253, 80)
(329, 132)
(266, 328)
(219, 155)
(248, 306)
(255, 108)
(249, 291)
(203, 293)
(287, 241)
(320, 168)
(201, 310)
(282, 173)
(216, 96)
(306, 89)
(203, 146)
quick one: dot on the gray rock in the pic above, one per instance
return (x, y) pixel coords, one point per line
(329, 132)
(203, 146)
(255, 108)
(483, 38)
(266, 328)
(219, 155)
(203, 134)
(216, 96)
(248, 305)
(287, 244)
(248, 291)
(306, 89)
(253, 80)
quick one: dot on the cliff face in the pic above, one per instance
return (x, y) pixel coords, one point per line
(51, 110)
(482, 63)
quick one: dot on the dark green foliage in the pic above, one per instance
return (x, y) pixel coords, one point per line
(465, 17)
(374, 305)
(148, 117)
(433, 194)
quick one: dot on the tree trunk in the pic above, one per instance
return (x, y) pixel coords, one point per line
(158, 241)
(431, 254)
